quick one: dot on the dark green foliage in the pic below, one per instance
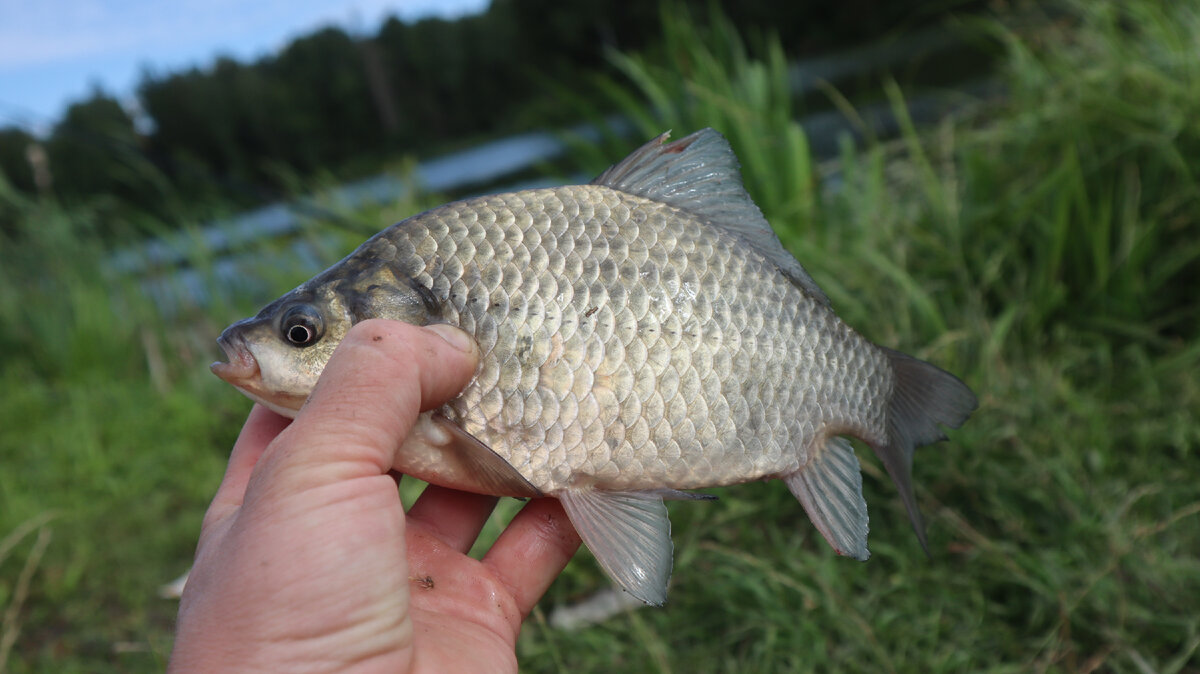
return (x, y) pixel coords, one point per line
(95, 155)
(306, 108)
(15, 167)
(18, 152)
(89, 148)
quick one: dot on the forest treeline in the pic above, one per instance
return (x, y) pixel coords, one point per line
(332, 103)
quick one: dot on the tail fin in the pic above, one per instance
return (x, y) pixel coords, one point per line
(923, 397)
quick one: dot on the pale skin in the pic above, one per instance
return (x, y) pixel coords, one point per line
(308, 563)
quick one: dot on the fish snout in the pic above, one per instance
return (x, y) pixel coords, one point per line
(241, 365)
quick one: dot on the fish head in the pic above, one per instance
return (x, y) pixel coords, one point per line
(276, 357)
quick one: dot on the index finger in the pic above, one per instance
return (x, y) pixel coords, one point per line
(262, 425)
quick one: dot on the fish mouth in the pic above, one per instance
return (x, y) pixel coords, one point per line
(242, 367)
(243, 372)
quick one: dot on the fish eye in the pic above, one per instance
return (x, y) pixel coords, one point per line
(301, 326)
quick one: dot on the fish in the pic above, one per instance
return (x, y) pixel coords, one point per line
(642, 336)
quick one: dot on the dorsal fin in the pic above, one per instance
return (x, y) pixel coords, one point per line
(699, 174)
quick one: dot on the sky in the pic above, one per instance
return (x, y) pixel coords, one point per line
(54, 52)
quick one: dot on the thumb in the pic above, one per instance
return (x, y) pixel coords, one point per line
(380, 377)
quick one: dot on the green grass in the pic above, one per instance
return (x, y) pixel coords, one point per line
(1042, 246)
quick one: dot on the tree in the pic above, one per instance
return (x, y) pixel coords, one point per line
(331, 115)
(95, 150)
(14, 159)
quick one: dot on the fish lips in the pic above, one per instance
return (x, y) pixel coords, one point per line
(242, 366)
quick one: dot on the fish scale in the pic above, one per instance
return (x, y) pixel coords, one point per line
(629, 422)
(640, 336)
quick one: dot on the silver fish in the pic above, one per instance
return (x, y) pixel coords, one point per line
(642, 335)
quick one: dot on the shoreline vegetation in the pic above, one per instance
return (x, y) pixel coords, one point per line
(1043, 244)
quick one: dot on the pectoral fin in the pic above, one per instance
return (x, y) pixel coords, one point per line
(439, 451)
(829, 487)
(630, 535)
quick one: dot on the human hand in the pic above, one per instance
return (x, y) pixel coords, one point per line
(306, 560)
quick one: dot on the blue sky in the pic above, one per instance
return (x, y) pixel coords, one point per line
(52, 52)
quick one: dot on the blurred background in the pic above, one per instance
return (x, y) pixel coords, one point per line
(1007, 189)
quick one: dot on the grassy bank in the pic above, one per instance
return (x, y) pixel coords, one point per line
(1044, 246)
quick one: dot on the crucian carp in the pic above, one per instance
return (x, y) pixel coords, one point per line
(641, 336)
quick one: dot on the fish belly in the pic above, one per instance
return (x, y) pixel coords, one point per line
(627, 346)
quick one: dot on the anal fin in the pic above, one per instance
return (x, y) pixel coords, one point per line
(630, 535)
(829, 487)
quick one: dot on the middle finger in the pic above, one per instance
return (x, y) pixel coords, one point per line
(455, 517)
